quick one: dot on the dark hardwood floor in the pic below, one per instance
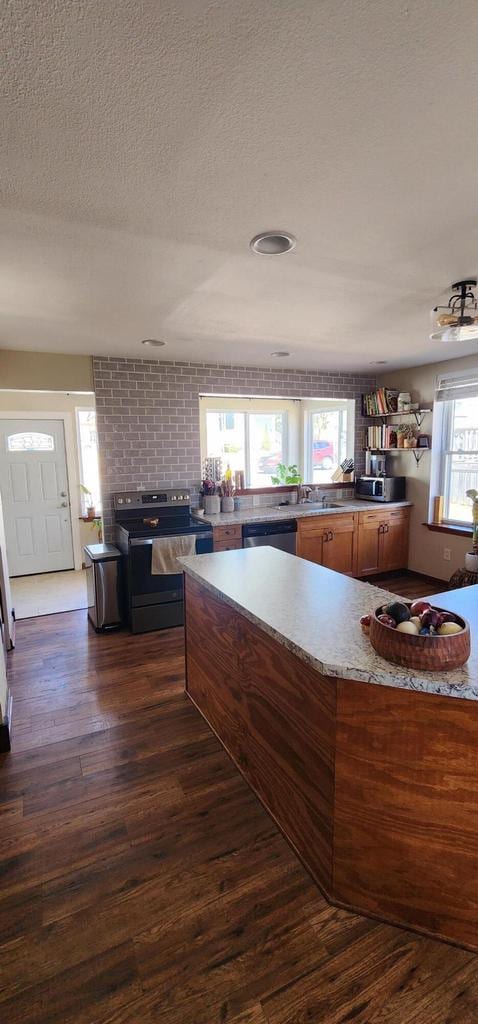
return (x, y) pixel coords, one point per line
(141, 881)
(408, 584)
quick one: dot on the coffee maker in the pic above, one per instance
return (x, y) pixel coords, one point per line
(375, 464)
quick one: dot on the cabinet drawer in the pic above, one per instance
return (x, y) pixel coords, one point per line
(227, 532)
(398, 513)
(319, 524)
(371, 517)
(228, 545)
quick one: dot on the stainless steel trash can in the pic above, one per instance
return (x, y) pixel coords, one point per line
(104, 586)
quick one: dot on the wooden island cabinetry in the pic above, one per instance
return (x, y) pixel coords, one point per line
(369, 769)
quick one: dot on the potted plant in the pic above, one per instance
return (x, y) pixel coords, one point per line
(287, 476)
(406, 435)
(211, 500)
(471, 557)
(90, 509)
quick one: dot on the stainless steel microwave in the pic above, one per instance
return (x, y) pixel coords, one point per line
(381, 488)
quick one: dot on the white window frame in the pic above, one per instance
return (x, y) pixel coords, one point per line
(343, 405)
(297, 426)
(247, 413)
(83, 497)
(446, 456)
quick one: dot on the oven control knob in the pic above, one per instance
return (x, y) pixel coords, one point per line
(128, 501)
(120, 501)
(173, 497)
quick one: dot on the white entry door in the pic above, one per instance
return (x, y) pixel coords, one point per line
(36, 502)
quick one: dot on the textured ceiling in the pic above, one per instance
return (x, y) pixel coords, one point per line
(148, 140)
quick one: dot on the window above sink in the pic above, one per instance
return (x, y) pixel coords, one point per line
(254, 435)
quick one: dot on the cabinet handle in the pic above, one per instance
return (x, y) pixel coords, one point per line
(331, 535)
(326, 535)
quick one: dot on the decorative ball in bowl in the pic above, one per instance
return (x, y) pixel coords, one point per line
(417, 635)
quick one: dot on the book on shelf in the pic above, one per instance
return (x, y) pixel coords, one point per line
(381, 402)
(381, 436)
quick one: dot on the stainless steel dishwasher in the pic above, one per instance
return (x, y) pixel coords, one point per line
(280, 535)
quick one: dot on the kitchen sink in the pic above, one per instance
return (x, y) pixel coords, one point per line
(319, 504)
(312, 504)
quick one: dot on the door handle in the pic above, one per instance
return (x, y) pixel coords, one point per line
(63, 494)
(64, 504)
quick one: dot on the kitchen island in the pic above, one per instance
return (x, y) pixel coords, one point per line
(370, 770)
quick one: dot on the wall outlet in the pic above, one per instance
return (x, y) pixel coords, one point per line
(447, 554)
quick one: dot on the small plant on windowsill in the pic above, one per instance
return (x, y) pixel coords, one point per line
(471, 557)
(90, 509)
(287, 476)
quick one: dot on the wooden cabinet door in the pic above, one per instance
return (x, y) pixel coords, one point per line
(310, 539)
(339, 545)
(394, 540)
(369, 543)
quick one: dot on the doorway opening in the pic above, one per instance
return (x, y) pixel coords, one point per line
(50, 494)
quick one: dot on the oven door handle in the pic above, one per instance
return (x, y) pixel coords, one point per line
(138, 542)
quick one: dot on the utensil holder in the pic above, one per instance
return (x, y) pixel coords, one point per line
(212, 504)
(227, 504)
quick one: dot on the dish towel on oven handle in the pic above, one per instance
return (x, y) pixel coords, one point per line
(166, 550)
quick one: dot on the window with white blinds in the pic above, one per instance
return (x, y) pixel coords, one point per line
(459, 444)
(452, 386)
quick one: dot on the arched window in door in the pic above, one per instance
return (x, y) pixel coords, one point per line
(30, 441)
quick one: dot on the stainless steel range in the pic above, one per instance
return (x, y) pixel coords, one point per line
(154, 601)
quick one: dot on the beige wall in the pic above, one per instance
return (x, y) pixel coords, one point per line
(45, 371)
(426, 547)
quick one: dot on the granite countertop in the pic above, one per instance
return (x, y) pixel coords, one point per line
(315, 613)
(271, 514)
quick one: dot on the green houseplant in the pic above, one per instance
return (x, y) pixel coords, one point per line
(90, 509)
(287, 475)
(406, 435)
(471, 557)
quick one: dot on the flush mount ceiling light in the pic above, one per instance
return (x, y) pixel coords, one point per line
(153, 342)
(280, 355)
(457, 321)
(272, 243)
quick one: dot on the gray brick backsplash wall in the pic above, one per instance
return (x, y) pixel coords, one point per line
(148, 416)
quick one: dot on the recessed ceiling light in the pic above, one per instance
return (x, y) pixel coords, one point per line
(153, 342)
(272, 243)
(280, 355)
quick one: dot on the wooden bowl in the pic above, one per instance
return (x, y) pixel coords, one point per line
(431, 653)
